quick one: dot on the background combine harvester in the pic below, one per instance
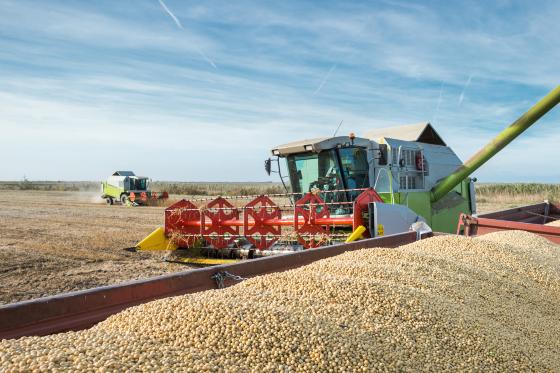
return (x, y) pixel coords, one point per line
(392, 180)
(128, 189)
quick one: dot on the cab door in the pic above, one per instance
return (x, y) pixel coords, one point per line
(355, 169)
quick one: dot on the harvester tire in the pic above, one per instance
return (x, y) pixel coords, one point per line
(109, 200)
(124, 199)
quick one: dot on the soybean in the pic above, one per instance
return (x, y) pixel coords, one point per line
(446, 303)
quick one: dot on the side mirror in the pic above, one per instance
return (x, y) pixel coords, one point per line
(268, 166)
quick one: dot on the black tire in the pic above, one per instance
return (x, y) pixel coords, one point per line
(124, 199)
(109, 200)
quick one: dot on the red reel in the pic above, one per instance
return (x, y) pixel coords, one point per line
(182, 223)
(309, 208)
(258, 211)
(361, 207)
(219, 211)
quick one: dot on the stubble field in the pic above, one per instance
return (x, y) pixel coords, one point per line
(57, 241)
(52, 242)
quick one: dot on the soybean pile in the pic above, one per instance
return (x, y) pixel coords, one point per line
(445, 303)
(554, 223)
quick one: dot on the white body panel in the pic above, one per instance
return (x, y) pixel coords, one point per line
(441, 161)
(116, 181)
(392, 219)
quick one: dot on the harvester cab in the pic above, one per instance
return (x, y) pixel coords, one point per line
(128, 189)
(401, 163)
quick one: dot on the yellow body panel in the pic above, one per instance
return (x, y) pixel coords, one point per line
(357, 234)
(156, 241)
(205, 261)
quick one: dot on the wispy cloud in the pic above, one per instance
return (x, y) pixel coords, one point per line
(178, 23)
(206, 58)
(63, 70)
(325, 78)
(439, 100)
(462, 95)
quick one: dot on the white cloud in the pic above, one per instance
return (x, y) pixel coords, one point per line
(106, 80)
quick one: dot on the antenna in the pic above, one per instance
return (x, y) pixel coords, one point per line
(337, 128)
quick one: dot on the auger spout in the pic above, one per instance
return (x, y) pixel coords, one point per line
(497, 144)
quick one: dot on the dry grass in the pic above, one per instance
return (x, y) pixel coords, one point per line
(495, 196)
(172, 187)
(51, 242)
(58, 186)
(218, 189)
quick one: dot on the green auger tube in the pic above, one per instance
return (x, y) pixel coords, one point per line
(497, 144)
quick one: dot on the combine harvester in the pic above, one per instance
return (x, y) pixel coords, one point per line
(130, 190)
(442, 190)
(392, 180)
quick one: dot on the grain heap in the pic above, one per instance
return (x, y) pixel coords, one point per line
(554, 223)
(446, 303)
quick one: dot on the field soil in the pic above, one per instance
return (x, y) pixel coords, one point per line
(56, 241)
(53, 242)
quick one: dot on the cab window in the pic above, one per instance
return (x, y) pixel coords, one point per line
(355, 167)
(312, 170)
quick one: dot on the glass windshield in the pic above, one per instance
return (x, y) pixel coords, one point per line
(322, 171)
(138, 184)
(311, 170)
(355, 168)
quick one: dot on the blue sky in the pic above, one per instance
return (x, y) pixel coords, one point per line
(88, 87)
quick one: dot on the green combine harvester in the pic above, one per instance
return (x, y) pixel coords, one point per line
(389, 181)
(128, 189)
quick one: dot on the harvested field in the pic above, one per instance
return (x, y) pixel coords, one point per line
(444, 304)
(52, 242)
(58, 241)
